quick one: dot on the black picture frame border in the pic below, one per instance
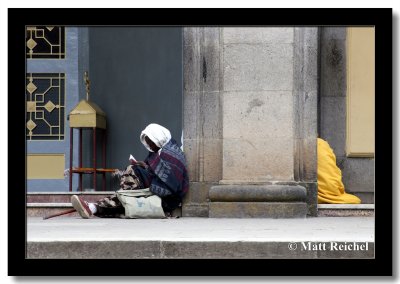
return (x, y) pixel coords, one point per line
(382, 19)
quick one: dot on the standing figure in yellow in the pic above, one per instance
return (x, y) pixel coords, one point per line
(330, 185)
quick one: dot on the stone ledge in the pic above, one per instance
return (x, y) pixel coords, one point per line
(195, 210)
(347, 206)
(71, 193)
(185, 249)
(44, 209)
(50, 205)
(258, 193)
(346, 210)
(35, 211)
(346, 213)
(65, 197)
(257, 210)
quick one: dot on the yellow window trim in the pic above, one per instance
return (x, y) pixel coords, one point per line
(360, 122)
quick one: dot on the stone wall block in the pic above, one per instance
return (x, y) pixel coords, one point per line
(258, 210)
(358, 174)
(210, 64)
(256, 115)
(191, 148)
(258, 159)
(258, 67)
(195, 203)
(311, 69)
(257, 193)
(312, 197)
(198, 192)
(191, 68)
(366, 197)
(211, 36)
(310, 108)
(333, 68)
(212, 160)
(310, 37)
(309, 159)
(195, 210)
(274, 35)
(333, 123)
(211, 125)
(191, 36)
(190, 114)
(334, 33)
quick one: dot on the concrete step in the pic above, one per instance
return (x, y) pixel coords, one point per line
(62, 197)
(45, 204)
(40, 204)
(346, 210)
(323, 237)
(45, 209)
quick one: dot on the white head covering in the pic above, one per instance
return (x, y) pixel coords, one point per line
(157, 133)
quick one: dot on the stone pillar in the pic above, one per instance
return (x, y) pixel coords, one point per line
(257, 104)
(250, 120)
(305, 94)
(202, 116)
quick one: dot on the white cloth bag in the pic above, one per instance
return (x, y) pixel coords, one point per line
(141, 203)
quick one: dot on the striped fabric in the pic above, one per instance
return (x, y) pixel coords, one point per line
(169, 171)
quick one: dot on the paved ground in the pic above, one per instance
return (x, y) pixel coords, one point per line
(359, 229)
(70, 237)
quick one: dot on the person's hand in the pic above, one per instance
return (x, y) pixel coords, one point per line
(117, 172)
(139, 163)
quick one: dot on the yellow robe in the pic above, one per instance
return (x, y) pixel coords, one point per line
(330, 185)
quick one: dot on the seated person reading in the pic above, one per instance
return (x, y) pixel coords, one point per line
(164, 172)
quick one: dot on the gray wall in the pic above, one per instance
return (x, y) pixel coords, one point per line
(358, 173)
(136, 78)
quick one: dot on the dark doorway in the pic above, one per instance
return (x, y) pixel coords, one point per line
(136, 78)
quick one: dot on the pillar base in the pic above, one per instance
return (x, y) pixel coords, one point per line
(258, 201)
